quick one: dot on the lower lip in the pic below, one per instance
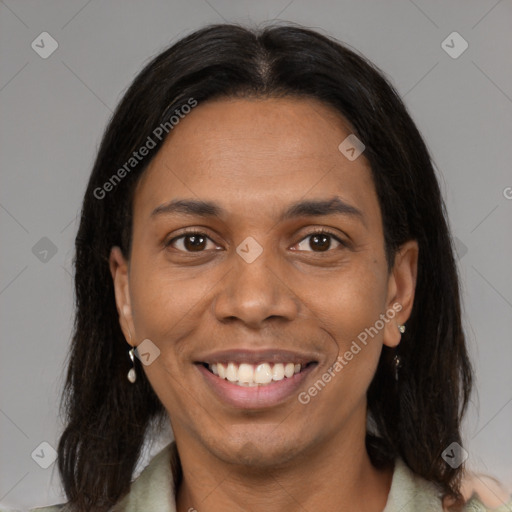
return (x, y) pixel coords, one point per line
(255, 397)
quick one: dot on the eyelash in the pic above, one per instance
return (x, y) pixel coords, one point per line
(195, 232)
(324, 231)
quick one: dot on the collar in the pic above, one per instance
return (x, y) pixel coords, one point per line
(154, 488)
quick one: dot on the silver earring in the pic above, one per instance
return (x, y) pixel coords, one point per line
(401, 328)
(132, 375)
(397, 360)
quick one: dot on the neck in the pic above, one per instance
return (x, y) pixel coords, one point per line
(333, 475)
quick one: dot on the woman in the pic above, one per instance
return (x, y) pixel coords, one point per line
(264, 224)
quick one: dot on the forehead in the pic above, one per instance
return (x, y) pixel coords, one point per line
(255, 154)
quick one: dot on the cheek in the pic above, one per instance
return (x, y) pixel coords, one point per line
(351, 300)
(161, 302)
(163, 309)
(348, 309)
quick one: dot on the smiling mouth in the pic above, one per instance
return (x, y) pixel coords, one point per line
(252, 375)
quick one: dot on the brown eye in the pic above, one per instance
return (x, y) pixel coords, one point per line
(319, 242)
(191, 242)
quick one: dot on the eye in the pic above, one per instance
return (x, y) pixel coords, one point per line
(320, 241)
(197, 241)
(191, 241)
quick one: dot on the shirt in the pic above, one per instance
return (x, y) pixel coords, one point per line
(153, 490)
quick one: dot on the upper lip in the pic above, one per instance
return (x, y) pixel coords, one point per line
(270, 355)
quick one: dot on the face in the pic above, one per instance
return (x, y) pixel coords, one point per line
(258, 273)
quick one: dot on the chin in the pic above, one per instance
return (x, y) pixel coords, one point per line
(260, 447)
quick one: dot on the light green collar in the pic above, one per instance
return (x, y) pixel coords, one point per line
(154, 490)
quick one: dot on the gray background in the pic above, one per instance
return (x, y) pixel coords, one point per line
(54, 111)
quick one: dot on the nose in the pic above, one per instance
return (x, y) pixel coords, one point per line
(254, 293)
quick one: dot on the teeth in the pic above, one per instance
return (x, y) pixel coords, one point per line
(232, 372)
(278, 372)
(249, 375)
(263, 374)
(245, 373)
(289, 370)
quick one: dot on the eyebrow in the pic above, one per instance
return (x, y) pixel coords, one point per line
(307, 208)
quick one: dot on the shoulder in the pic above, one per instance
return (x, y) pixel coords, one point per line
(51, 508)
(411, 493)
(62, 507)
(485, 494)
(152, 490)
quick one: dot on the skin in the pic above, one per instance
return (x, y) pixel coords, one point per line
(254, 157)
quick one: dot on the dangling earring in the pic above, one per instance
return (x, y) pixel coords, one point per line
(397, 360)
(132, 375)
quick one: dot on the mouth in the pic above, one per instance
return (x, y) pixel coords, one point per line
(255, 380)
(252, 375)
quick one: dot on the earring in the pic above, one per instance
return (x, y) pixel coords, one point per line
(132, 375)
(397, 360)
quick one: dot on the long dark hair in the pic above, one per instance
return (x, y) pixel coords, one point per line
(417, 417)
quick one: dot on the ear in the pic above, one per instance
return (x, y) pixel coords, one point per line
(401, 288)
(119, 270)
